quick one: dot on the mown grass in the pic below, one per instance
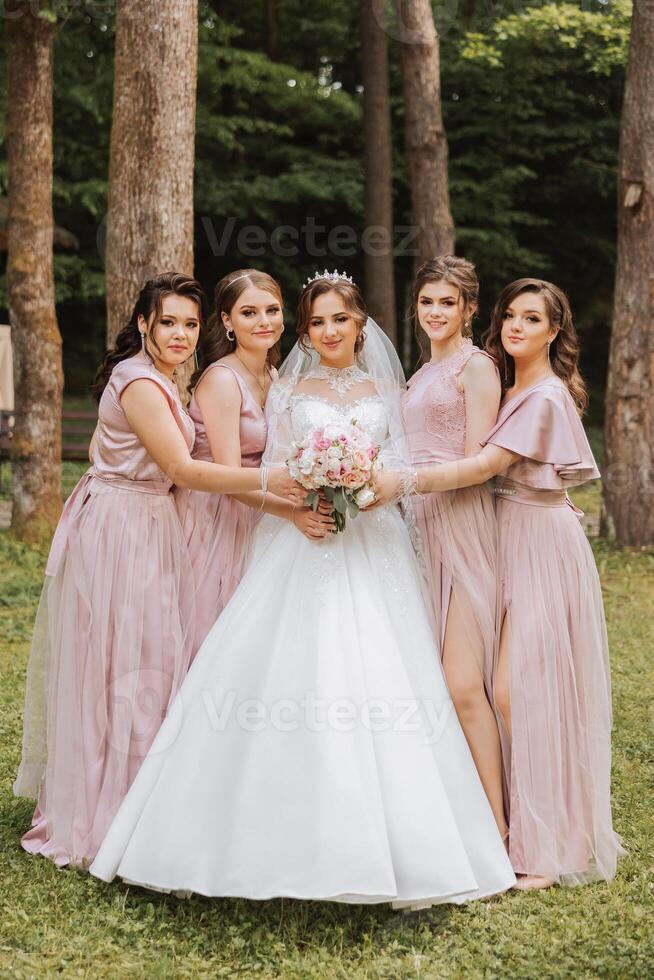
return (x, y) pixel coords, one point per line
(62, 923)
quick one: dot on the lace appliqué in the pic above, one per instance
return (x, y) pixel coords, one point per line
(445, 414)
(339, 380)
(310, 412)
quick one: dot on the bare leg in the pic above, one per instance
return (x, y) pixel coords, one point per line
(502, 680)
(466, 684)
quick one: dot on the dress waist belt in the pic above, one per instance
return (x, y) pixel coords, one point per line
(73, 508)
(508, 490)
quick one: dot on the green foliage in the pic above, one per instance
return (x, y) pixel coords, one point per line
(531, 101)
(532, 108)
(61, 923)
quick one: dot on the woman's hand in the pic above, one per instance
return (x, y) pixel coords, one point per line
(282, 484)
(315, 524)
(387, 487)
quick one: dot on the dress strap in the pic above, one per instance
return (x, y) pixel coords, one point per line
(242, 383)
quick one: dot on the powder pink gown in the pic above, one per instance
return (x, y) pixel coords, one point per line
(216, 526)
(457, 533)
(113, 634)
(558, 763)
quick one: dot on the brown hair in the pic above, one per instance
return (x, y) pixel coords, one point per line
(349, 293)
(564, 350)
(215, 343)
(449, 268)
(149, 304)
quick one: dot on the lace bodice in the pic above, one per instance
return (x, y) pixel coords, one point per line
(433, 408)
(310, 412)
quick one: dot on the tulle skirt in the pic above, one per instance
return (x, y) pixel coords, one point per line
(558, 762)
(217, 529)
(457, 543)
(111, 646)
(313, 750)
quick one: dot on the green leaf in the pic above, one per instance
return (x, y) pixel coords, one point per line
(312, 500)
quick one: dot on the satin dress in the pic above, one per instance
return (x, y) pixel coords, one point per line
(113, 634)
(217, 527)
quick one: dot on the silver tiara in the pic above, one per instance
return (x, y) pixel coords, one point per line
(334, 276)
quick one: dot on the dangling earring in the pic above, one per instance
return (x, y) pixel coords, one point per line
(231, 336)
(142, 332)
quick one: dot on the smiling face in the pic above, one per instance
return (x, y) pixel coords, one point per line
(333, 330)
(441, 311)
(175, 334)
(526, 327)
(256, 318)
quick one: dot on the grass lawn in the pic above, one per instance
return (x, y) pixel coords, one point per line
(62, 923)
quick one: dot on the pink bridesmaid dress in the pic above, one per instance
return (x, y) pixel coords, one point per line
(558, 761)
(216, 526)
(113, 634)
(457, 533)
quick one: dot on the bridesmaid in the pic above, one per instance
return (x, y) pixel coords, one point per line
(238, 356)
(113, 634)
(551, 675)
(450, 404)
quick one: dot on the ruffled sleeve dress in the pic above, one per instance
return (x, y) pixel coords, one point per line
(558, 760)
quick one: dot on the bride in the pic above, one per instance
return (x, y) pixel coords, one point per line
(313, 750)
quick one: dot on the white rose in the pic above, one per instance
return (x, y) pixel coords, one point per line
(307, 461)
(364, 497)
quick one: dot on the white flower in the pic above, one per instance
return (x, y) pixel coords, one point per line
(306, 461)
(364, 496)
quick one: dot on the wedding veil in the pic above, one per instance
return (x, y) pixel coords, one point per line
(378, 359)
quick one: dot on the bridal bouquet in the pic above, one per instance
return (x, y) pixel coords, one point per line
(338, 461)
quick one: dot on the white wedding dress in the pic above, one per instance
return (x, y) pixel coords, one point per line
(313, 750)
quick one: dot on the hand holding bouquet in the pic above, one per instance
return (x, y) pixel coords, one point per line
(338, 461)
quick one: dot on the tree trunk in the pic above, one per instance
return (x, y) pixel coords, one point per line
(36, 341)
(629, 428)
(150, 220)
(426, 143)
(272, 29)
(378, 168)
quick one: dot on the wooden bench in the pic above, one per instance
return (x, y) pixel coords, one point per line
(76, 431)
(6, 421)
(77, 428)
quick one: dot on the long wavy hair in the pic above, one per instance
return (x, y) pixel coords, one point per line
(445, 268)
(564, 349)
(149, 302)
(348, 292)
(214, 342)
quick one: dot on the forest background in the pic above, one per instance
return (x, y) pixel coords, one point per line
(531, 96)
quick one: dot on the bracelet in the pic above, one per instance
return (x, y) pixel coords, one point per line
(263, 500)
(408, 484)
(264, 477)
